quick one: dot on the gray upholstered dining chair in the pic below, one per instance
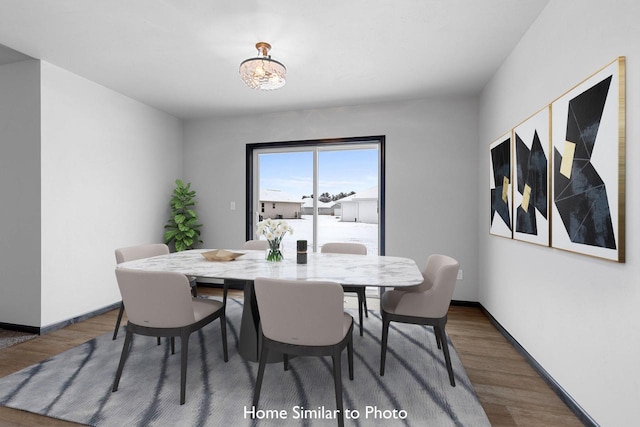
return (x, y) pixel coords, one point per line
(260, 245)
(132, 253)
(160, 304)
(304, 318)
(356, 249)
(423, 304)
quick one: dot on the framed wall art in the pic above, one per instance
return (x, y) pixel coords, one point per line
(588, 166)
(500, 186)
(531, 142)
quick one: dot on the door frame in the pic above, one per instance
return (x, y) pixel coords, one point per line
(324, 143)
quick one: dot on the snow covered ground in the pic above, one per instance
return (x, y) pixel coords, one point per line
(330, 229)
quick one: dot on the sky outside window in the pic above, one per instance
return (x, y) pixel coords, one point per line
(339, 171)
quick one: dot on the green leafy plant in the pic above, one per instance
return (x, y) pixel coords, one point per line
(183, 229)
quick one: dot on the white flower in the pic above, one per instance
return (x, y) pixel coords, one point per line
(273, 229)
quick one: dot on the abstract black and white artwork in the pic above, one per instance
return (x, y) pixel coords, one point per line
(588, 158)
(531, 141)
(500, 185)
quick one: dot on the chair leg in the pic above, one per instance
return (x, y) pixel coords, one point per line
(158, 340)
(445, 349)
(435, 332)
(115, 331)
(173, 344)
(364, 300)
(383, 348)
(337, 380)
(123, 358)
(263, 362)
(285, 360)
(360, 306)
(184, 354)
(223, 328)
(350, 356)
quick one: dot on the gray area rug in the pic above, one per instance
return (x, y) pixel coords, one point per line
(76, 385)
(9, 338)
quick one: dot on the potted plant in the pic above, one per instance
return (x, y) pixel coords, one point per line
(183, 230)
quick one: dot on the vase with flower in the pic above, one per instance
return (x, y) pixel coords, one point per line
(274, 230)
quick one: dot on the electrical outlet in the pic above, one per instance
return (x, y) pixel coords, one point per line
(460, 275)
(232, 206)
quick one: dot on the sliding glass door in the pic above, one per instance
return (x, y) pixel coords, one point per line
(329, 190)
(348, 198)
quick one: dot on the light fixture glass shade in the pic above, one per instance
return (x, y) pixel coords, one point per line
(262, 72)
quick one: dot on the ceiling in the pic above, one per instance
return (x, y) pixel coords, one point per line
(182, 56)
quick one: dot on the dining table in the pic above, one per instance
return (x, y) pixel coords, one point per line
(346, 269)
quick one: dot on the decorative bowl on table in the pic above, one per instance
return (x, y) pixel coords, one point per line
(221, 255)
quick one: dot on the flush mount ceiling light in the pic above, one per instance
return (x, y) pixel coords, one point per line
(262, 72)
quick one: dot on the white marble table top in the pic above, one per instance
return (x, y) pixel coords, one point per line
(369, 270)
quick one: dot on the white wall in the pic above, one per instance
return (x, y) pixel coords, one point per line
(349, 212)
(20, 193)
(108, 170)
(368, 210)
(431, 170)
(577, 316)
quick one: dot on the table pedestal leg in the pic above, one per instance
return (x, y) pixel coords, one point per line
(250, 342)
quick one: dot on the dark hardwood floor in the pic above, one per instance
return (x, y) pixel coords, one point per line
(510, 391)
